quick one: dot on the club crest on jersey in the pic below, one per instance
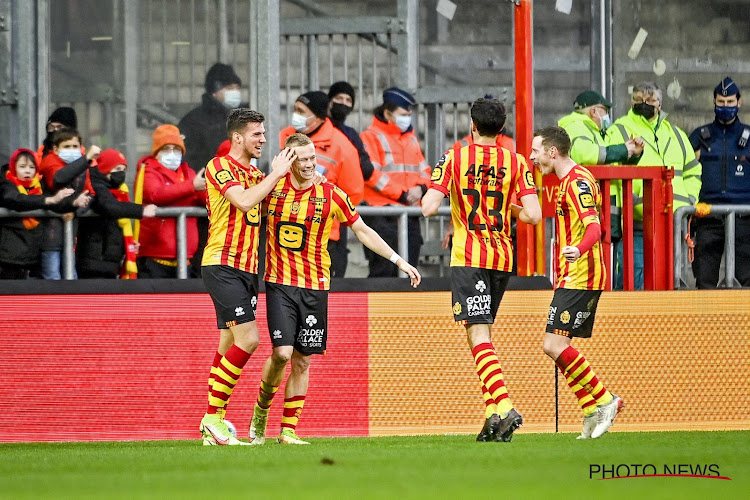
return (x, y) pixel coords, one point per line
(295, 207)
(457, 308)
(565, 317)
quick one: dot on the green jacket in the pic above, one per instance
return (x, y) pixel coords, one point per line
(665, 145)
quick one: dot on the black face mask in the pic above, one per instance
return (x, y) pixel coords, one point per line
(116, 179)
(645, 110)
(339, 111)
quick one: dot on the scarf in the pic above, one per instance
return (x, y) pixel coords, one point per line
(129, 270)
(31, 186)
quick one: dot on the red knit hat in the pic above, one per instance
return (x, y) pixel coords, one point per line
(224, 148)
(109, 159)
(167, 134)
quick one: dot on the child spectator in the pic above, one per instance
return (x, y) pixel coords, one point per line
(166, 181)
(64, 166)
(21, 238)
(106, 248)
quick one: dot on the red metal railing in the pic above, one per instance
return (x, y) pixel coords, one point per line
(658, 256)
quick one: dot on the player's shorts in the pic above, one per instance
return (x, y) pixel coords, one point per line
(476, 294)
(297, 317)
(234, 292)
(572, 312)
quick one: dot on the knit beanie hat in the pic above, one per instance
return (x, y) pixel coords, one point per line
(109, 159)
(341, 88)
(166, 134)
(220, 76)
(317, 101)
(66, 116)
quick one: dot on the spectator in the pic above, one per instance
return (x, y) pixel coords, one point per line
(395, 153)
(341, 95)
(64, 166)
(205, 128)
(723, 148)
(337, 158)
(587, 126)
(664, 144)
(106, 248)
(21, 238)
(60, 118)
(167, 181)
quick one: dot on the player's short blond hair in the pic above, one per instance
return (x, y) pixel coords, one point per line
(296, 140)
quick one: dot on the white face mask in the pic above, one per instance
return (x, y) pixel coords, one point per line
(232, 98)
(69, 155)
(403, 122)
(606, 121)
(299, 122)
(171, 160)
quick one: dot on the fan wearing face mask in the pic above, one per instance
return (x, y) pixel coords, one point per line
(587, 126)
(723, 147)
(164, 179)
(398, 160)
(205, 128)
(65, 166)
(106, 248)
(663, 144)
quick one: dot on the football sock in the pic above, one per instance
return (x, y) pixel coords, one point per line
(292, 411)
(212, 373)
(266, 394)
(491, 375)
(490, 406)
(582, 380)
(225, 378)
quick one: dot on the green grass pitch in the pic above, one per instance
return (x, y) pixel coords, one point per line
(532, 466)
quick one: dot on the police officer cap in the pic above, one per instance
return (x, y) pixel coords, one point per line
(727, 87)
(590, 98)
(399, 97)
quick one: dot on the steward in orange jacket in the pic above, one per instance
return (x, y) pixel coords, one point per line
(336, 156)
(400, 167)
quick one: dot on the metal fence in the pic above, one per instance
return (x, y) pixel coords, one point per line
(680, 228)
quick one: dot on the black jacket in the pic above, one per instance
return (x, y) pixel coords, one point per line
(364, 158)
(204, 129)
(101, 247)
(19, 245)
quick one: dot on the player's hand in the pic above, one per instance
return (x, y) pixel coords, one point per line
(571, 254)
(93, 152)
(446, 243)
(283, 162)
(319, 178)
(149, 211)
(411, 271)
(199, 182)
(59, 196)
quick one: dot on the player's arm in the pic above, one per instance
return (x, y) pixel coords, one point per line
(592, 234)
(372, 240)
(529, 211)
(246, 199)
(431, 202)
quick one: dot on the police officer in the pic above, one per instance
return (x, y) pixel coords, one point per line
(723, 147)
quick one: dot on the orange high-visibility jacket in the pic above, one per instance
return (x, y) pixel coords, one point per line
(398, 161)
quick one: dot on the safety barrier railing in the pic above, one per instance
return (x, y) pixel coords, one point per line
(182, 213)
(680, 232)
(657, 221)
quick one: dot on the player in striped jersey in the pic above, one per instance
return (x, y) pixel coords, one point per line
(300, 217)
(230, 260)
(579, 278)
(480, 180)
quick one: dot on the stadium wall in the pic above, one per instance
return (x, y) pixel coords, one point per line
(135, 366)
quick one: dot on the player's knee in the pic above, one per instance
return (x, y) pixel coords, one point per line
(280, 357)
(248, 345)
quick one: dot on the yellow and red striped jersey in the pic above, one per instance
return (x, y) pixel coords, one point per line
(577, 203)
(480, 181)
(232, 233)
(297, 230)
